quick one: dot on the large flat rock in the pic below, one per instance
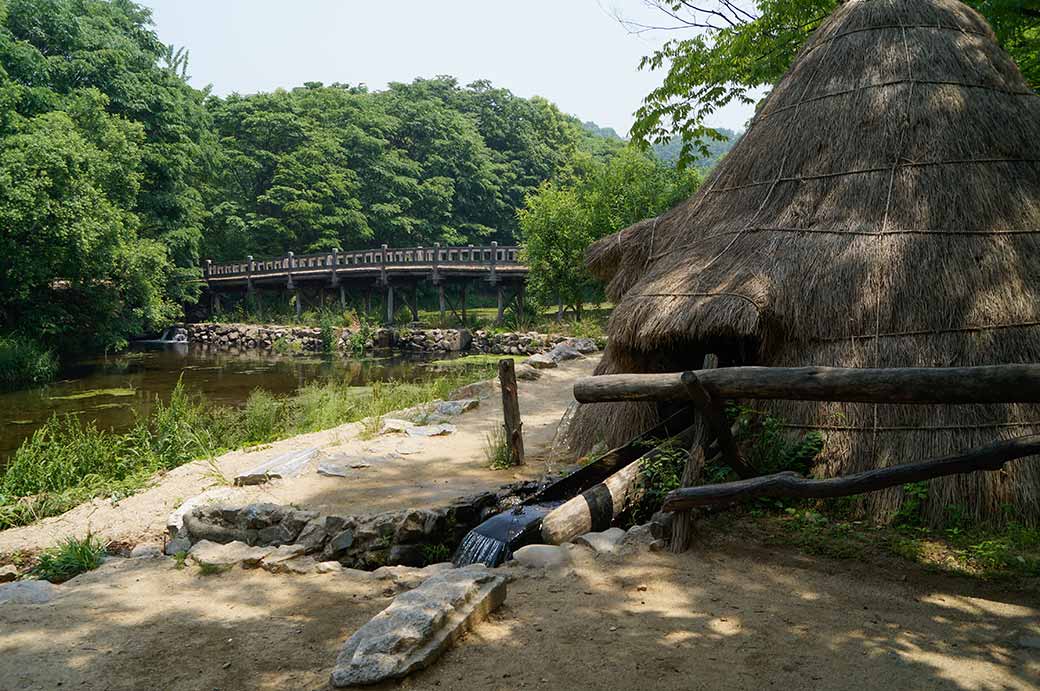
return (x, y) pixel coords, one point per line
(206, 553)
(284, 466)
(418, 626)
(27, 593)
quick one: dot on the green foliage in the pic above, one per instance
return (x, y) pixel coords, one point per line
(435, 554)
(771, 448)
(585, 202)
(327, 324)
(67, 462)
(911, 511)
(496, 450)
(658, 476)
(70, 558)
(24, 363)
(730, 52)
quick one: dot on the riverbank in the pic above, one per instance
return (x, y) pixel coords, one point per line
(424, 473)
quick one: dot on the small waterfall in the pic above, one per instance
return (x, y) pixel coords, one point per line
(493, 541)
(165, 337)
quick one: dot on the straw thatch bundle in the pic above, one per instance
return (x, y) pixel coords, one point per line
(883, 210)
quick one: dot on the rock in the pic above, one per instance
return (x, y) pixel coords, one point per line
(392, 425)
(406, 555)
(284, 466)
(661, 525)
(313, 535)
(437, 430)
(479, 390)
(637, 539)
(146, 552)
(178, 545)
(606, 542)
(206, 553)
(332, 470)
(584, 346)
(8, 573)
(457, 407)
(412, 527)
(300, 566)
(562, 352)
(418, 626)
(329, 567)
(289, 559)
(176, 519)
(27, 593)
(408, 447)
(527, 373)
(339, 544)
(284, 553)
(541, 361)
(542, 556)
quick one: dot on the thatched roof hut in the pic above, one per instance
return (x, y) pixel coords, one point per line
(883, 210)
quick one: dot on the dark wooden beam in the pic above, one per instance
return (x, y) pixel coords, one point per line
(789, 484)
(711, 408)
(987, 384)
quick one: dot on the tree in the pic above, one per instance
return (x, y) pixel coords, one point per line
(583, 203)
(733, 50)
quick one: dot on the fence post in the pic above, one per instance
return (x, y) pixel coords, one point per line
(513, 426)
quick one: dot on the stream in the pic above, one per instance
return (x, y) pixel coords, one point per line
(114, 390)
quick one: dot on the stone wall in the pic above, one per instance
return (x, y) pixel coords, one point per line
(289, 339)
(410, 537)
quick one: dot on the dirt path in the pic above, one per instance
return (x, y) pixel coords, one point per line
(724, 616)
(436, 470)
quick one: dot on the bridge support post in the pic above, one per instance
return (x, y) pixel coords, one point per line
(440, 297)
(501, 304)
(415, 302)
(465, 288)
(249, 278)
(342, 297)
(389, 304)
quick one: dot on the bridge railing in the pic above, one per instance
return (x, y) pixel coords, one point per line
(336, 260)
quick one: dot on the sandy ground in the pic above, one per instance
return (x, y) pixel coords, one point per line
(728, 615)
(438, 470)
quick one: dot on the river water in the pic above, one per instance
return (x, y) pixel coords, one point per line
(113, 390)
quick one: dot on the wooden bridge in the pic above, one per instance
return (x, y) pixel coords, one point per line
(386, 269)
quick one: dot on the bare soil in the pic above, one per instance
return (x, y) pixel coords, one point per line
(725, 615)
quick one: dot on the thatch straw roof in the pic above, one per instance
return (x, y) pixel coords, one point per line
(883, 210)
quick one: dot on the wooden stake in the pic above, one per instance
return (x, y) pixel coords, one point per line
(511, 411)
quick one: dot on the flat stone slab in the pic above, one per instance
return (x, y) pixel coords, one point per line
(284, 466)
(175, 521)
(393, 424)
(27, 593)
(542, 556)
(606, 542)
(437, 430)
(206, 553)
(452, 408)
(418, 626)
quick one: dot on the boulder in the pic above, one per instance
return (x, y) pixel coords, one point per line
(145, 551)
(542, 556)
(391, 425)
(526, 372)
(176, 519)
(457, 407)
(562, 352)
(418, 626)
(178, 545)
(27, 593)
(584, 346)
(541, 361)
(479, 390)
(206, 553)
(606, 542)
(8, 573)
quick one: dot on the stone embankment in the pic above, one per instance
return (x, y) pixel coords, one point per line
(290, 339)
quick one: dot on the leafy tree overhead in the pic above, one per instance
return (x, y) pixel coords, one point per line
(729, 48)
(584, 202)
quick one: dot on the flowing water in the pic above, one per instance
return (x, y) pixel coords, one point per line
(113, 390)
(493, 541)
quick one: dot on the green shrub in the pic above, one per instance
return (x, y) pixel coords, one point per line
(497, 451)
(262, 419)
(25, 363)
(70, 558)
(327, 324)
(657, 477)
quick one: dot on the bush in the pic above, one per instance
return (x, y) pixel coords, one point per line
(24, 363)
(71, 558)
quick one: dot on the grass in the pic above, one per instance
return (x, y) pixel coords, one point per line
(497, 451)
(475, 360)
(23, 363)
(70, 558)
(67, 462)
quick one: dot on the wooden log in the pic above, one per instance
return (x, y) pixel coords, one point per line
(511, 411)
(987, 384)
(789, 484)
(596, 507)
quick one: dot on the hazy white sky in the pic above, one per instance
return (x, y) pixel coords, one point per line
(572, 52)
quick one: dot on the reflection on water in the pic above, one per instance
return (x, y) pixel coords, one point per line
(113, 390)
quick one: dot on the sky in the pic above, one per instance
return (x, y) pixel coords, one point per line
(572, 52)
